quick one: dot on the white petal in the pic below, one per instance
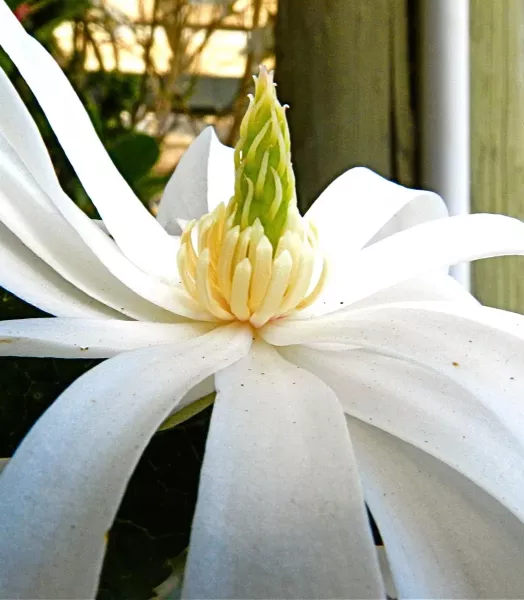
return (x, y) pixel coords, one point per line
(449, 381)
(445, 537)
(86, 338)
(61, 490)
(431, 288)
(418, 250)
(426, 208)
(204, 177)
(199, 397)
(25, 275)
(33, 218)
(435, 287)
(279, 511)
(360, 203)
(428, 410)
(31, 151)
(170, 296)
(385, 569)
(100, 224)
(204, 388)
(139, 235)
(18, 127)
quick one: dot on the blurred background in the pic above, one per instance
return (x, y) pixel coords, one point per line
(152, 74)
(429, 93)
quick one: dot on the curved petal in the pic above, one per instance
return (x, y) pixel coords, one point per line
(196, 400)
(18, 127)
(169, 296)
(61, 490)
(444, 537)
(279, 511)
(27, 211)
(23, 274)
(139, 235)
(433, 287)
(100, 224)
(204, 177)
(455, 391)
(31, 151)
(389, 584)
(87, 338)
(428, 410)
(426, 208)
(359, 204)
(418, 250)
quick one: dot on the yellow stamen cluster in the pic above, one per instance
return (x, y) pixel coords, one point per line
(234, 273)
(255, 259)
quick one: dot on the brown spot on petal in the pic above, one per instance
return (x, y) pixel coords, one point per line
(455, 364)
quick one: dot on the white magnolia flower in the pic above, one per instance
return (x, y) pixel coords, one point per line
(371, 377)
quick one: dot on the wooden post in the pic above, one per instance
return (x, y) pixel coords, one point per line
(343, 67)
(497, 152)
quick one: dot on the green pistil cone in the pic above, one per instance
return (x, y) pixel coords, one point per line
(265, 182)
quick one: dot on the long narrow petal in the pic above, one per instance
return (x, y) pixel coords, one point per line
(279, 512)
(100, 178)
(454, 389)
(170, 296)
(204, 177)
(61, 490)
(433, 287)
(444, 537)
(87, 338)
(30, 214)
(428, 410)
(25, 275)
(360, 203)
(20, 130)
(418, 250)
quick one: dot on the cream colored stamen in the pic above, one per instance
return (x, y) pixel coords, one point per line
(235, 273)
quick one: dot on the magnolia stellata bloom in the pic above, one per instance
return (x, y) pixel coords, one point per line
(348, 366)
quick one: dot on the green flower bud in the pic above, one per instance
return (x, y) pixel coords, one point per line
(265, 182)
(255, 259)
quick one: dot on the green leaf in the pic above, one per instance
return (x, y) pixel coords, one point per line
(150, 186)
(189, 411)
(135, 154)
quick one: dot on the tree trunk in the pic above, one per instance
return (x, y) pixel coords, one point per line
(497, 153)
(343, 67)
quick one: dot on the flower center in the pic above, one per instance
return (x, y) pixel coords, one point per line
(235, 273)
(255, 259)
